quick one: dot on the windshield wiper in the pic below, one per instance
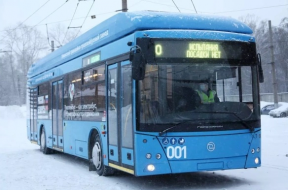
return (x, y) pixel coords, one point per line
(247, 126)
(176, 125)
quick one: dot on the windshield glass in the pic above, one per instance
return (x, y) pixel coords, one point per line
(209, 97)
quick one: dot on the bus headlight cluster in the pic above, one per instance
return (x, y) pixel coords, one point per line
(150, 168)
(256, 160)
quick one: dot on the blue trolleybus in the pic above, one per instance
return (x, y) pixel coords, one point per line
(125, 95)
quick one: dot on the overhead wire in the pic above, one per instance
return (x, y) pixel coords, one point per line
(176, 6)
(78, 18)
(51, 13)
(252, 9)
(133, 5)
(31, 15)
(38, 24)
(194, 6)
(85, 18)
(70, 22)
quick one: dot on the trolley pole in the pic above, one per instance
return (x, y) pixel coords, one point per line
(124, 6)
(273, 66)
(52, 46)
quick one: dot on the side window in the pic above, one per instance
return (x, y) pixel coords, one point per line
(43, 101)
(93, 94)
(72, 96)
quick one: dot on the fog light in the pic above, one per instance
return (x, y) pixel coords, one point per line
(256, 160)
(150, 168)
(253, 151)
(148, 156)
(258, 149)
(158, 156)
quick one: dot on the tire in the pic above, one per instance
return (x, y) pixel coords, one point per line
(283, 114)
(43, 144)
(97, 159)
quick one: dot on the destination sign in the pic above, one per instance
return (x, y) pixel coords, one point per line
(198, 49)
(91, 59)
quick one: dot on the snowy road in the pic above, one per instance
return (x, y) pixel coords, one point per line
(23, 166)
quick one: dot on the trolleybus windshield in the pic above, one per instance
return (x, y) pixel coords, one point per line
(170, 94)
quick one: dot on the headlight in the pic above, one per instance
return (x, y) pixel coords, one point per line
(258, 149)
(150, 168)
(256, 160)
(253, 151)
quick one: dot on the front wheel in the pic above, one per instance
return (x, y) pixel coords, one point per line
(283, 114)
(97, 159)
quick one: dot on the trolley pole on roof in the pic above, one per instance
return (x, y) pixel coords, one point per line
(273, 66)
(124, 6)
(52, 46)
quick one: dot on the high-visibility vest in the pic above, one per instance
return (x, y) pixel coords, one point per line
(206, 99)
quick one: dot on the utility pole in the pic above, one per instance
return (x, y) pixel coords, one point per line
(52, 46)
(124, 6)
(273, 66)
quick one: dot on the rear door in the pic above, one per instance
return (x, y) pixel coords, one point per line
(57, 115)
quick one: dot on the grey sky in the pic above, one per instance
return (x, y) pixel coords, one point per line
(16, 11)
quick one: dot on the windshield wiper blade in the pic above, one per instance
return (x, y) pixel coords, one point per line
(174, 126)
(247, 126)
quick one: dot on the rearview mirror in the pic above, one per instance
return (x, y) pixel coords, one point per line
(138, 63)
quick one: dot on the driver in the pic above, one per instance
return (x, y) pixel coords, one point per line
(207, 95)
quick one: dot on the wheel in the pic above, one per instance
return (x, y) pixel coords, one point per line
(283, 114)
(43, 146)
(97, 156)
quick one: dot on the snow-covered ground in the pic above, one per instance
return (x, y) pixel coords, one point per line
(23, 166)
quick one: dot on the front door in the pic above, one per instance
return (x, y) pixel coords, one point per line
(120, 128)
(57, 115)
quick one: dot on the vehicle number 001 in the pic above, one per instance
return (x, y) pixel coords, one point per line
(176, 152)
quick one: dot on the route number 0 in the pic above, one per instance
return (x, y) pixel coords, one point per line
(158, 50)
(176, 152)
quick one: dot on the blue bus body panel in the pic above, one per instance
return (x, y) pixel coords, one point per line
(192, 153)
(76, 136)
(123, 24)
(115, 156)
(125, 160)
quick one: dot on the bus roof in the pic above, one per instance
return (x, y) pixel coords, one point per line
(123, 24)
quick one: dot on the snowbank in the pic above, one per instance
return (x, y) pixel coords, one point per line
(12, 112)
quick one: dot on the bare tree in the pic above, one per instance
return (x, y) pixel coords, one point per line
(26, 45)
(61, 35)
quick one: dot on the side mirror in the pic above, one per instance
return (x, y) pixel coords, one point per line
(138, 63)
(260, 70)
